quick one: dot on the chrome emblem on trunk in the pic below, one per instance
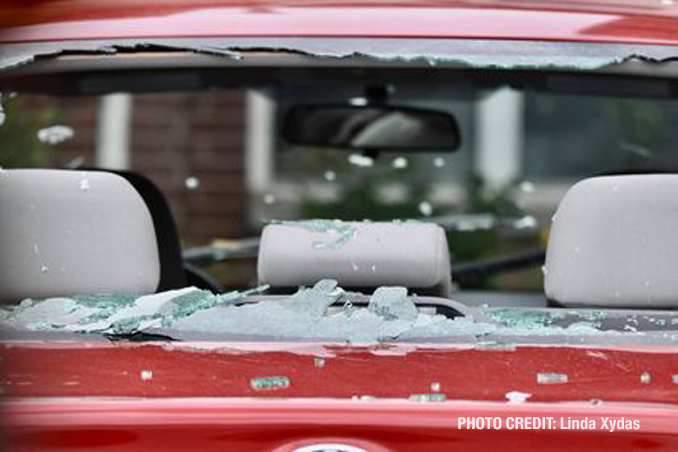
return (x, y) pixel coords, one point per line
(329, 448)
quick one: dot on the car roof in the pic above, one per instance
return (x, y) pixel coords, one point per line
(624, 21)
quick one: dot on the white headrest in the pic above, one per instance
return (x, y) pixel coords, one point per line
(73, 232)
(361, 255)
(614, 243)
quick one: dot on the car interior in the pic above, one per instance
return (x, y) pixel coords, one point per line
(618, 260)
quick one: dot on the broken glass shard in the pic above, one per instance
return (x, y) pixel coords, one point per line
(314, 301)
(51, 313)
(348, 309)
(270, 383)
(336, 232)
(392, 303)
(551, 378)
(390, 314)
(517, 396)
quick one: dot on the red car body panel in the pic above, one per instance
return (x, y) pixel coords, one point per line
(282, 426)
(76, 396)
(628, 21)
(337, 371)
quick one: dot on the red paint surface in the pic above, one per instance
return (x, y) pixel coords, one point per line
(633, 21)
(201, 398)
(279, 425)
(397, 371)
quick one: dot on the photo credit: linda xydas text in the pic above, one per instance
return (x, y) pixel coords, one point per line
(548, 423)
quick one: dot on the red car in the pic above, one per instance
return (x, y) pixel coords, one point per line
(339, 225)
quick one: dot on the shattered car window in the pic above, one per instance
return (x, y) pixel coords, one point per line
(324, 311)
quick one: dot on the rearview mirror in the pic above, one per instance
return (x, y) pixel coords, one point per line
(371, 128)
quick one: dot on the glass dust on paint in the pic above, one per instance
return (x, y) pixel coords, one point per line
(500, 346)
(435, 397)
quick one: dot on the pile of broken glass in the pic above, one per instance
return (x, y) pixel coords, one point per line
(324, 311)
